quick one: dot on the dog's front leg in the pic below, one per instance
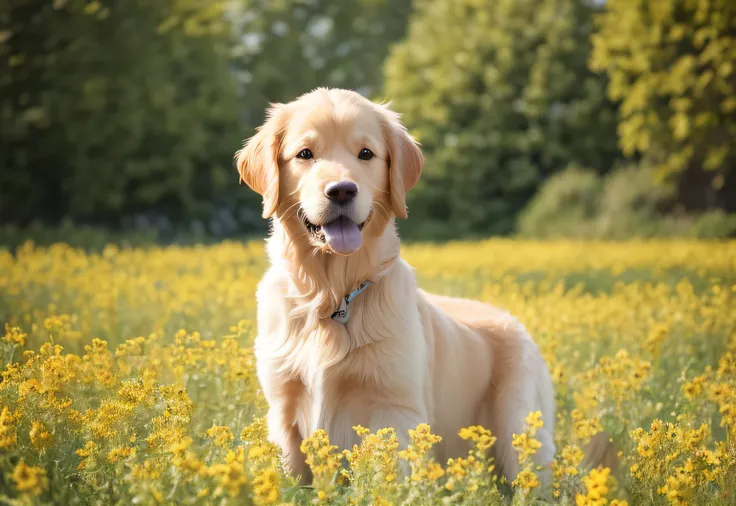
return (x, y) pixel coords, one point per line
(284, 432)
(283, 429)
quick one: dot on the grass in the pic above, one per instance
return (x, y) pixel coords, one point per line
(128, 377)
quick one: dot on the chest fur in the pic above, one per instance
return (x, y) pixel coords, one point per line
(345, 370)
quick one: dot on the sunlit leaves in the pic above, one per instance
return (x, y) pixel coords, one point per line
(673, 62)
(499, 95)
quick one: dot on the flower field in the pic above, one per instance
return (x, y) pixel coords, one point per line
(128, 378)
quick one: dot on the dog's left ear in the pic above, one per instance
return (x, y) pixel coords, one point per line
(405, 160)
(258, 161)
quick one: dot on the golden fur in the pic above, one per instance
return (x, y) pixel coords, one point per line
(405, 357)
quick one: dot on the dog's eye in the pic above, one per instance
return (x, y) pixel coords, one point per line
(365, 154)
(305, 154)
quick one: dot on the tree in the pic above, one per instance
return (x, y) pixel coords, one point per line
(500, 96)
(114, 108)
(291, 47)
(672, 64)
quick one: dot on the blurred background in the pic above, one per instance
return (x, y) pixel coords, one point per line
(119, 119)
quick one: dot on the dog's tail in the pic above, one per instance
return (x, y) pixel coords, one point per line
(600, 452)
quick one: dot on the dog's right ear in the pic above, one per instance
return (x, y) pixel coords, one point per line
(258, 161)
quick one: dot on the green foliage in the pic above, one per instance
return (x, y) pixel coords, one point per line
(500, 96)
(114, 108)
(578, 203)
(633, 203)
(84, 237)
(714, 224)
(564, 204)
(671, 64)
(127, 113)
(628, 202)
(291, 47)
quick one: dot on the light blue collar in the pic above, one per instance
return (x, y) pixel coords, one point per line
(342, 313)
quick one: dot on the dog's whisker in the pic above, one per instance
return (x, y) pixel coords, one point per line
(295, 204)
(376, 189)
(285, 214)
(382, 209)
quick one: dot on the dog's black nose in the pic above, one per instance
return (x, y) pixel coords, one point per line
(342, 192)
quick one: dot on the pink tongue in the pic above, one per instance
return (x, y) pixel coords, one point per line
(342, 235)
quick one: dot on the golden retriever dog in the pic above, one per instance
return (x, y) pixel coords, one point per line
(345, 336)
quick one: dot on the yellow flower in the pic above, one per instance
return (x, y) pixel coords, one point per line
(480, 436)
(13, 335)
(526, 480)
(565, 467)
(131, 390)
(88, 454)
(323, 459)
(28, 386)
(596, 485)
(147, 470)
(422, 439)
(429, 471)
(380, 501)
(221, 435)
(525, 445)
(157, 496)
(534, 420)
(373, 463)
(266, 487)
(39, 436)
(231, 477)
(656, 337)
(120, 453)
(418, 455)
(585, 428)
(30, 480)
(8, 419)
(694, 388)
(256, 432)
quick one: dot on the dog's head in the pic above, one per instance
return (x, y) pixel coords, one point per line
(333, 167)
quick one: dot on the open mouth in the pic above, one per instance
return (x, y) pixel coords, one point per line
(342, 234)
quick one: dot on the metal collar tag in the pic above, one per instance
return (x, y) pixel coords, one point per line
(342, 313)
